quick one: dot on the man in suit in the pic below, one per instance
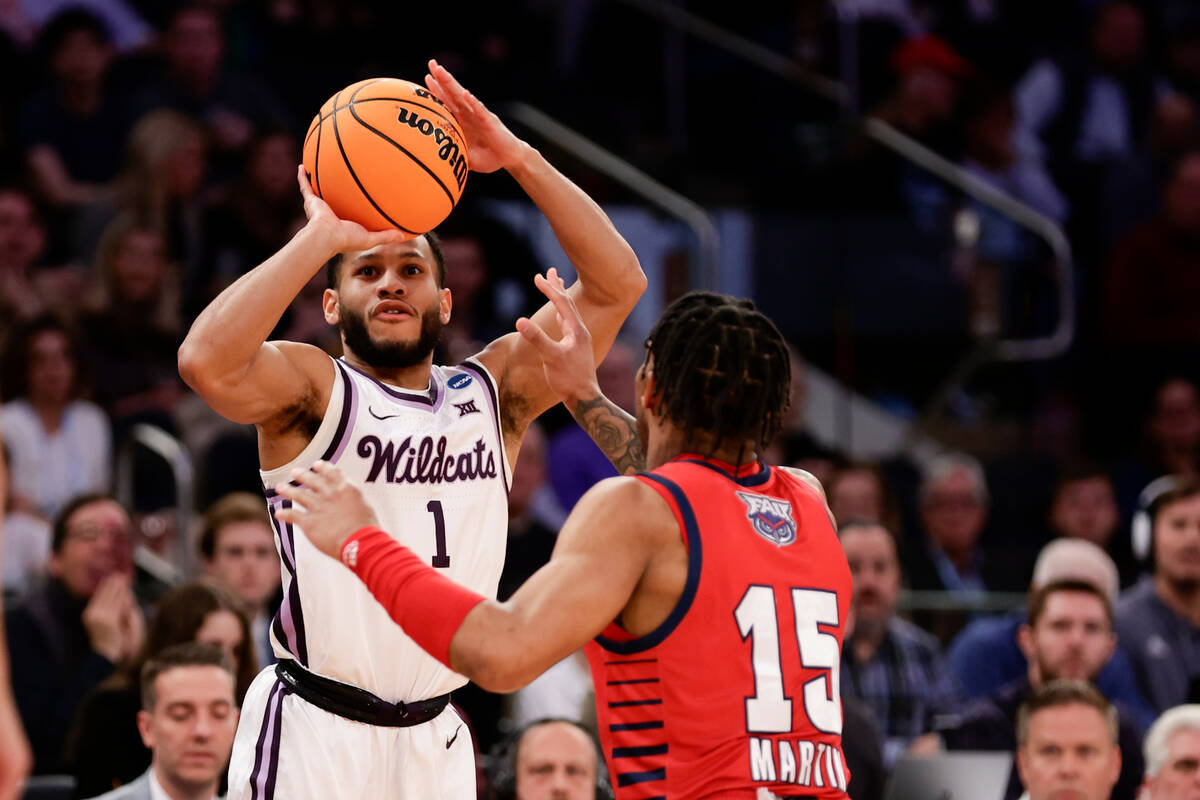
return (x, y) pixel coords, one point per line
(188, 720)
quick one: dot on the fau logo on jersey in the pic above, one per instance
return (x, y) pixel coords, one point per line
(770, 517)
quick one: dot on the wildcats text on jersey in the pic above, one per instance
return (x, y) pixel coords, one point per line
(799, 762)
(426, 462)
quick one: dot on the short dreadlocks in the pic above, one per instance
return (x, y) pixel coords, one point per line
(721, 370)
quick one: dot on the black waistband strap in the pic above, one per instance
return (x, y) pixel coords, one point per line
(354, 703)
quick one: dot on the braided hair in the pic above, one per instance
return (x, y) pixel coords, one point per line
(721, 370)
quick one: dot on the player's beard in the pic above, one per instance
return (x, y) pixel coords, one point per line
(388, 354)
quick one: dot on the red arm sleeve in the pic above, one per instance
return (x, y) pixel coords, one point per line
(428, 606)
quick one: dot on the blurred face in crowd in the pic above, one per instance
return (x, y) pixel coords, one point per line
(1085, 509)
(1179, 777)
(1070, 755)
(186, 166)
(556, 761)
(244, 559)
(51, 369)
(223, 630)
(529, 474)
(190, 729)
(139, 267)
(82, 58)
(1072, 638)
(989, 133)
(1175, 425)
(954, 513)
(195, 47)
(22, 238)
(1119, 36)
(856, 494)
(97, 544)
(615, 374)
(1177, 542)
(273, 166)
(871, 553)
(1182, 205)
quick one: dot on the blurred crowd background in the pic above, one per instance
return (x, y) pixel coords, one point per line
(147, 160)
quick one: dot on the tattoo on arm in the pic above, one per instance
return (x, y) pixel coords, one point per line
(613, 431)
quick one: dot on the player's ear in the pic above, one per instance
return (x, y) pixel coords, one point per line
(445, 303)
(331, 307)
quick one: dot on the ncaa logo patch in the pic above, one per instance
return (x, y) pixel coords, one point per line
(459, 381)
(770, 517)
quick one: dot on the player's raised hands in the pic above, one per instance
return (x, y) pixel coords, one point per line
(569, 362)
(491, 144)
(326, 506)
(341, 234)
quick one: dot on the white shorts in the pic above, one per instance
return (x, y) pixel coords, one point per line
(289, 749)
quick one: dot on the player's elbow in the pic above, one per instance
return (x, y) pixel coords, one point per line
(190, 360)
(495, 670)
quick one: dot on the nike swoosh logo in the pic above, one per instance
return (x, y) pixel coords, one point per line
(376, 416)
(452, 739)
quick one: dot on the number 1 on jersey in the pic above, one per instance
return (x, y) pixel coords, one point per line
(440, 559)
(770, 710)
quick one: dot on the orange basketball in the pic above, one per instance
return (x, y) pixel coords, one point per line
(386, 153)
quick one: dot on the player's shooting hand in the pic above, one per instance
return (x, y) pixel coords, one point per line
(490, 144)
(326, 506)
(342, 235)
(569, 363)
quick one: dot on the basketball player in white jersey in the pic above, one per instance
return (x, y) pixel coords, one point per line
(355, 709)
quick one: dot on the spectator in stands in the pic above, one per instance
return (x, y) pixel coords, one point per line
(188, 719)
(1172, 752)
(67, 635)
(953, 502)
(1151, 288)
(890, 664)
(22, 246)
(25, 547)
(73, 130)
(1174, 429)
(551, 758)
(233, 106)
(24, 19)
(160, 184)
(986, 656)
(574, 461)
(252, 217)
(1067, 743)
(131, 326)
(1069, 635)
(1090, 107)
(237, 545)
(1133, 189)
(861, 492)
(1158, 619)
(60, 444)
(104, 747)
(1084, 506)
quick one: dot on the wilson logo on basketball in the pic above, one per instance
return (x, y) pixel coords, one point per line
(448, 150)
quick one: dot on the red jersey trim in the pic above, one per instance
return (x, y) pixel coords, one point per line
(757, 479)
(695, 559)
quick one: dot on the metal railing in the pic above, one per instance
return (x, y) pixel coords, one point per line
(1032, 349)
(170, 450)
(632, 178)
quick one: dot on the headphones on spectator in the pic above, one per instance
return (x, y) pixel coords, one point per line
(504, 761)
(1142, 530)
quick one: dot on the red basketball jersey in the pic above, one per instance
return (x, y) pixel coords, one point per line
(738, 689)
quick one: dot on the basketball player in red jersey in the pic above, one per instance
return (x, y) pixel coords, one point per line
(711, 592)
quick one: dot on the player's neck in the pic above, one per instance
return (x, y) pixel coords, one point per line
(670, 443)
(415, 377)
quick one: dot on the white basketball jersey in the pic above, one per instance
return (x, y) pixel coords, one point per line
(432, 465)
